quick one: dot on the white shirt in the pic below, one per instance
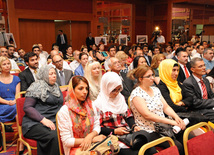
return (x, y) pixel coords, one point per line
(33, 72)
(161, 39)
(197, 55)
(74, 64)
(65, 65)
(65, 127)
(182, 66)
(199, 83)
(13, 66)
(106, 64)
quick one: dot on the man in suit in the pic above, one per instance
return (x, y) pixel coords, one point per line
(89, 41)
(61, 41)
(63, 75)
(145, 54)
(199, 89)
(184, 71)
(28, 76)
(128, 84)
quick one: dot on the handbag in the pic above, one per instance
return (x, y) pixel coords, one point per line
(135, 139)
(165, 130)
(108, 145)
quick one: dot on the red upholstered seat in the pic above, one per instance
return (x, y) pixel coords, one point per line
(173, 150)
(203, 144)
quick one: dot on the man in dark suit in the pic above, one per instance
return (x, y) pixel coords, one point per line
(145, 54)
(89, 41)
(184, 71)
(199, 89)
(28, 76)
(61, 41)
(63, 75)
(128, 84)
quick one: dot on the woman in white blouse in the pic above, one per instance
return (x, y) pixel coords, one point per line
(77, 120)
(149, 106)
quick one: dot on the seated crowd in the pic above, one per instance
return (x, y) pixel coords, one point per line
(107, 92)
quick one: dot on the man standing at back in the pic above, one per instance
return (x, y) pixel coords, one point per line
(89, 41)
(61, 41)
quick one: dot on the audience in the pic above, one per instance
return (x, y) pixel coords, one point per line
(10, 87)
(129, 52)
(93, 74)
(11, 52)
(199, 89)
(83, 57)
(128, 84)
(63, 76)
(28, 76)
(43, 101)
(20, 60)
(122, 56)
(69, 54)
(199, 51)
(148, 105)
(101, 54)
(115, 116)
(75, 131)
(208, 59)
(76, 62)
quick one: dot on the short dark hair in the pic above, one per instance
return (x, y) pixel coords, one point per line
(29, 55)
(81, 54)
(35, 47)
(19, 49)
(60, 30)
(8, 46)
(187, 47)
(199, 46)
(68, 47)
(112, 46)
(178, 50)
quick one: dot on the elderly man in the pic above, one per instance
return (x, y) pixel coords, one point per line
(199, 89)
(208, 59)
(76, 62)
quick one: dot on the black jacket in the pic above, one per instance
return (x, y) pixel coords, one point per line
(26, 78)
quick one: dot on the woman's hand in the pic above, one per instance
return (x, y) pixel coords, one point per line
(86, 143)
(48, 123)
(98, 138)
(120, 131)
(11, 102)
(180, 103)
(136, 128)
(180, 123)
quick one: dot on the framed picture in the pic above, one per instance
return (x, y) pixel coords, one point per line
(123, 39)
(10, 39)
(142, 39)
(99, 40)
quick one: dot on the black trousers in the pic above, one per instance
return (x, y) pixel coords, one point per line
(47, 140)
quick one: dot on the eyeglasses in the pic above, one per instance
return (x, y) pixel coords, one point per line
(117, 90)
(149, 76)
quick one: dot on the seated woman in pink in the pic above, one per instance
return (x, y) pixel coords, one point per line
(77, 120)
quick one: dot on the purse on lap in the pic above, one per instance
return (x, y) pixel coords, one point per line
(107, 146)
(165, 130)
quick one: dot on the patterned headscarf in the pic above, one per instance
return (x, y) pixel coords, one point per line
(39, 88)
(82, 114)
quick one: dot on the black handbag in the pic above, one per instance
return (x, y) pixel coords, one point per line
(135, 139)
(165, 130)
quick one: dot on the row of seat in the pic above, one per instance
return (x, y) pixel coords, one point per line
(202, 144)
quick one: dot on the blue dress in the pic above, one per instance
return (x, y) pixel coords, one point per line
(8, 92)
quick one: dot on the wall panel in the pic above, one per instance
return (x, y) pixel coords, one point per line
(36, 31)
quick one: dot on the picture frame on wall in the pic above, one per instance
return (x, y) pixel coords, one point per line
(100, 40)
(123, 39)
(10, 39)
(142, 39)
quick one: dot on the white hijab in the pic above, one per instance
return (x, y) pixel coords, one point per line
(117, 105)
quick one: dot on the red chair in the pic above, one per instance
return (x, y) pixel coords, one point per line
(202, 144)
(22, 68)
(61, 150)
(172, 150)
(29, 143)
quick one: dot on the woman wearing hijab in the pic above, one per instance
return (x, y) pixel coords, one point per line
(115, 117)
(77, 120)
(174, 93)
(43, 101)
